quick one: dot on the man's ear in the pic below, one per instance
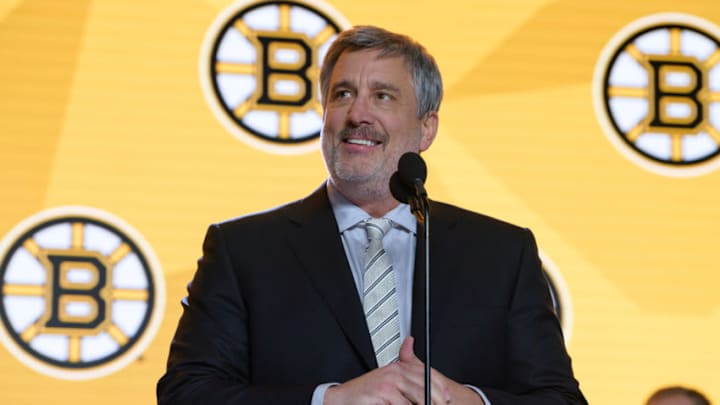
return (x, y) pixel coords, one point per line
(428, 130)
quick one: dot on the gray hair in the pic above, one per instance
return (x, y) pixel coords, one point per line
(695, 396)
(425, 74)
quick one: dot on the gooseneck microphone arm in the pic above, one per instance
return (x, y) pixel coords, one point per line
(408, 185)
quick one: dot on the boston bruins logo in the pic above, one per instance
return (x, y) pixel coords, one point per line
(259, 67)
(81, 293)
(657, 93)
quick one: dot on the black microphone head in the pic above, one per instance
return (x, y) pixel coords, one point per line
(411, 167)
(399, 189)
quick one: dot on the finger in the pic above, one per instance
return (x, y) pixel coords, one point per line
(407, 353)
(417, 395)
(412, 384)
(379, 386)
(407, 377)
(439, 389)
(440, 386)
(439, 394)
(391, 394)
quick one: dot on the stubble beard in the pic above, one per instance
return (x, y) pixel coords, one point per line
(359, 183)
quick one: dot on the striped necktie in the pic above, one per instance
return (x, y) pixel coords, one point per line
(379, 296)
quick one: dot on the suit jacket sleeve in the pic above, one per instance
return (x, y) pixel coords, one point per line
(209, 355)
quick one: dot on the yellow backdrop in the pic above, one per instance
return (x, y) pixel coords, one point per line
(102, 106)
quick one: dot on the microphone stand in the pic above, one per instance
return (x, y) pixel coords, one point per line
(421, 209)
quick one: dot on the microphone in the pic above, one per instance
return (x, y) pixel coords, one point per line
(412, 168)
(407, 185)
(408, 182)
(399, 190)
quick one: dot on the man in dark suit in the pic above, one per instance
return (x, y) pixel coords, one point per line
(281, 309)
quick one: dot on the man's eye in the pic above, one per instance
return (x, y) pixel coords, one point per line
(342, 94)
(384, 96)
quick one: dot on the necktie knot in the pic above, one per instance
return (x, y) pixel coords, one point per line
(376, 228)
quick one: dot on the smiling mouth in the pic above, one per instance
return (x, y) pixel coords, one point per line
(363, 135)
(364, 142)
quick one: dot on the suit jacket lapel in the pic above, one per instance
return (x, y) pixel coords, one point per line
(316, 242)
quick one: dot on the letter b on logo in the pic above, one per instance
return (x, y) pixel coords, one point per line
(676, 85)
(285, 81)
(78, 283)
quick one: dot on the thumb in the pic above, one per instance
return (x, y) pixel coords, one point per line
(406, 350)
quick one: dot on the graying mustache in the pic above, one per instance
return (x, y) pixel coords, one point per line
(364, 132)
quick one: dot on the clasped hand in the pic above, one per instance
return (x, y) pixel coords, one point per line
(401, 383)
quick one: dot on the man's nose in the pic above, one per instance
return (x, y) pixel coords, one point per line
(360, 111)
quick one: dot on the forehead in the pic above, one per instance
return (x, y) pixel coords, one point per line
(353, 65)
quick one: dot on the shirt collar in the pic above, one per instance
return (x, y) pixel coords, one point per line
(349, 215)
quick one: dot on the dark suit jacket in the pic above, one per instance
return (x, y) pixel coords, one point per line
(273, 311)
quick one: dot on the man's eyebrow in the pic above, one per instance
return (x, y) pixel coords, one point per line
(381, 85)
(374, 85)
(341, 83)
